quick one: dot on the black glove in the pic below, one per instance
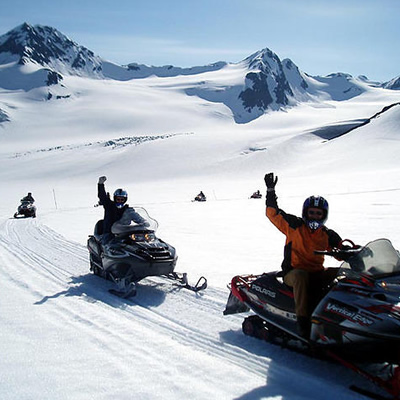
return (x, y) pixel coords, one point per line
(102, 179)
(270, 181)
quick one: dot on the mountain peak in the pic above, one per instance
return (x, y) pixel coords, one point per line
(262, 59)
(48, 47)
(393, 84)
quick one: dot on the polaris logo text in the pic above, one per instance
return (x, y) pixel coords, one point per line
(264, 291)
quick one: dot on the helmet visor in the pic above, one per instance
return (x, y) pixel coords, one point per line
(313, 213)
(120, 199)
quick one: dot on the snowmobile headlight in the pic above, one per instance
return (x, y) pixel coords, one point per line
(382, 284)
(148, 236)
(142, 237)
(135, 237)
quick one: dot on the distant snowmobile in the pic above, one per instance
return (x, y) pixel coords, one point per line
(200, 197)
(26, 209)
(134, 253)
(256, 195)
(357, 321)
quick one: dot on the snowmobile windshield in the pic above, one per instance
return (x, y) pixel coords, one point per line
(378, 258)
(134, 220)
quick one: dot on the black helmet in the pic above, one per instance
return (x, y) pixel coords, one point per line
(315, 202)
(120, 197)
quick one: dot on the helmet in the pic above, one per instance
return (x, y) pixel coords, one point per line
(120, 197)
(315, 202)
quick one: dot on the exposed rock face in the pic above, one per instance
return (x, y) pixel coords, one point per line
(48, 47)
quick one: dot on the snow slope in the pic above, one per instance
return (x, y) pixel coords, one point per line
(64, 336)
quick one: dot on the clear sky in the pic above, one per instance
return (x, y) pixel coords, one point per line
(360, 37)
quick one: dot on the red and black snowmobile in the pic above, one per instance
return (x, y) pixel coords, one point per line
(356, 322)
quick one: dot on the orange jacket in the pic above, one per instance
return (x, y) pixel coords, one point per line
(301, 241)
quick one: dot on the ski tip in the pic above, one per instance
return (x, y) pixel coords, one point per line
(123, 294)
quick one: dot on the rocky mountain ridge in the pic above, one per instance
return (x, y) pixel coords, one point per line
(41, 56)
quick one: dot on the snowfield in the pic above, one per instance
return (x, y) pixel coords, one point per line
(64, 336)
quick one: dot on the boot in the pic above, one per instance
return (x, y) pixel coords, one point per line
(304, 327)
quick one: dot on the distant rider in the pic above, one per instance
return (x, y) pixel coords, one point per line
(28, 198)
(113, 209)
(303, 270)
(256, 195)
(200, 197)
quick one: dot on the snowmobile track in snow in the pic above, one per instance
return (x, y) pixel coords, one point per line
(54, 273)
(52, 258)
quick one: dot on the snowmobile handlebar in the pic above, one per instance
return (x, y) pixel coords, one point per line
(343, 252)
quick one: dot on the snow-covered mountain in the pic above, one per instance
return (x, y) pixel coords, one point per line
(33, 57)
(393, 84)
(43, 55)
(48, 48)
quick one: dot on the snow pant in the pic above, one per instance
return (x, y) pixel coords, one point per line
(308, 288)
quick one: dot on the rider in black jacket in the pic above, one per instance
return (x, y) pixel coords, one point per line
(29, 198)
(113, 209)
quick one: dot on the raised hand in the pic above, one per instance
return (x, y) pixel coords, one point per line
(270, 180)
(102, 179)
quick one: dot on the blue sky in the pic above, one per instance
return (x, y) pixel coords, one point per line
(360, 37)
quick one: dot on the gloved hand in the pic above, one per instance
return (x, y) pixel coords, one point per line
(102, 179)
(270, 180)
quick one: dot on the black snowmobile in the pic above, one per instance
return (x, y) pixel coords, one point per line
(200, 197)
(134, 253)
(256, 195)
(356, 322)
(26, 209)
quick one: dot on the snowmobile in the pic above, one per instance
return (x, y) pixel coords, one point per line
(26, 209)
(200, 197)
(256, 195)
(356, 321)
(134, 253)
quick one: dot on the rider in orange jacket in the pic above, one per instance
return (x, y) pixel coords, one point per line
(303, 269)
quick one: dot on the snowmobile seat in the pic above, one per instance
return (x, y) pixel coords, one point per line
(99, 228)
(279, 277)
(272, 279)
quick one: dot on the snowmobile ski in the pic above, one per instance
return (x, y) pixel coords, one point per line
(129, 291)
(391, 384)
(182, 280)
(368, 393)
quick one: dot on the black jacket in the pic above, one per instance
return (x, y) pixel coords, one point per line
(28, 198)
(111, 212)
